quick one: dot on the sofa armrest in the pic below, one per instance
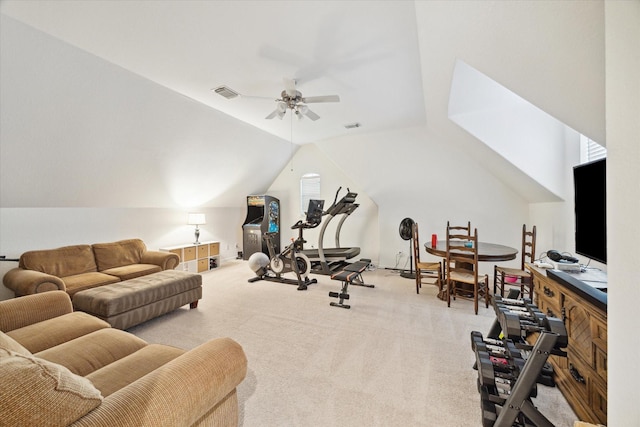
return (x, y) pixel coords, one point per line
(166, 260)
(180, 392)
(26, 282)
(20, 312)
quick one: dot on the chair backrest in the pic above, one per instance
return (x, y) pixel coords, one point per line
(462, 248)
(460, 228)
(528, 245)
(416, 245)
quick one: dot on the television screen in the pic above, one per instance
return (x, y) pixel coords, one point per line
(590, 192)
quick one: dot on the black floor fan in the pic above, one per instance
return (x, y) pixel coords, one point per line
(406, 233)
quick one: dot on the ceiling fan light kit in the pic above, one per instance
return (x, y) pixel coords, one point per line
(292, 99)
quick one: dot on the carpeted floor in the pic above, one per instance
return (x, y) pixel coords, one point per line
(394, 359)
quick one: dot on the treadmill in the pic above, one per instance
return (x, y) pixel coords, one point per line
(328, 260)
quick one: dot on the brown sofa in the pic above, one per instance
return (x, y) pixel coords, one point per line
(60, 367)
(79, 267)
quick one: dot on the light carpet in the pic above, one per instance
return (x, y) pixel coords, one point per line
(396, 358)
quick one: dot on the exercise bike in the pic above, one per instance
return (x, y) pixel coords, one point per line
(289, 260)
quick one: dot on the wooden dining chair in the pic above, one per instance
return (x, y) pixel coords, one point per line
(518, 277)
(462, 254)
(431, 271)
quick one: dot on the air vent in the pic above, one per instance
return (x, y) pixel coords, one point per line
(352, 125)
(226, 92)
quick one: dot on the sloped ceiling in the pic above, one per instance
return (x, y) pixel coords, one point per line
(391, 62)
(365, 52)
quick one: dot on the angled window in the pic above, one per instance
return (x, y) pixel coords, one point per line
(591, 150)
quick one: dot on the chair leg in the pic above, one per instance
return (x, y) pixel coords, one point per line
(495, 279)
(487, 294)
(476, 290)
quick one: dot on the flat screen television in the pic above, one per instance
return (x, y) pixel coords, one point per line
(590, 197)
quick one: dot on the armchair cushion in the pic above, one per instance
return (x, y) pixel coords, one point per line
(55, 331)
(38, 392)
(8, 343)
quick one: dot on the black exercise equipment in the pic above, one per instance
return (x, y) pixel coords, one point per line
(328, 260)
(350, 275)
(509, 368)
(290, 259)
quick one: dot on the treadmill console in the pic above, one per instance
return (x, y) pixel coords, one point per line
(314, 212)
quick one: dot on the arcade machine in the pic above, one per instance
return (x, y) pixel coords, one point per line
(263, 216)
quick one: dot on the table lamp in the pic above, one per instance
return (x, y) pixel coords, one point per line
(196, 219)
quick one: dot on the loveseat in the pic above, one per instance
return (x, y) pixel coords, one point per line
(60, 367)
(79, 267)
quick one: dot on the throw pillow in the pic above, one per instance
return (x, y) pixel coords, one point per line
(37, 392)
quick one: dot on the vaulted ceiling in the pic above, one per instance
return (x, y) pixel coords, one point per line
(390, 62)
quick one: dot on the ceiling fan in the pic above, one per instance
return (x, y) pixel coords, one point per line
(292, 99)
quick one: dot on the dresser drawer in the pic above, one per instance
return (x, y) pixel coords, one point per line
(549, 307)
(598, 399)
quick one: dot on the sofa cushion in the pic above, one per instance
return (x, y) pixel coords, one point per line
(117, 254)
(93, 351)
(132, 271)
(60, 262)
(37, 392)
(123, 372)
(52, 332)
(9, 343)
(80, 282)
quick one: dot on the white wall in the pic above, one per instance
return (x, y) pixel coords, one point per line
(77, 131)
(623, 200)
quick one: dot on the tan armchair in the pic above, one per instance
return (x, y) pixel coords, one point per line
(79, 371)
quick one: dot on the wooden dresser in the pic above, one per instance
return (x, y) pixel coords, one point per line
(582, 375)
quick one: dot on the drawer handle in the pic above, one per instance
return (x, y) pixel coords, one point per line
(550, 313)
(548, 292)
(576, 375)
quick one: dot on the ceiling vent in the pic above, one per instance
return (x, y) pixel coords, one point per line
(226, 92)
(352, 125)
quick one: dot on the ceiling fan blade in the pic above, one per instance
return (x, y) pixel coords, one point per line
(289, 86)
(326, 98)
(272, 115)
(313, 116)
(281, 108)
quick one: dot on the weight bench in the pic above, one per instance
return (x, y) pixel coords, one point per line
(349, 275)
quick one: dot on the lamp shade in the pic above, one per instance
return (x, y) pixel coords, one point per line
(196, 219)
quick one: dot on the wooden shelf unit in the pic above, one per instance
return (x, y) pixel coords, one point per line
(196, 258)
(582, 375)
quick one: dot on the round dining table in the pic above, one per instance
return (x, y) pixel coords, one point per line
(486, 251)
(492, 252)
